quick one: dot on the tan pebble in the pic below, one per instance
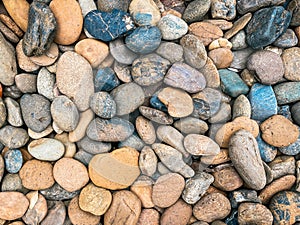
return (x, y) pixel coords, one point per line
(279, 131)
(222, 24)
(218, 222)
(37, 175)
(220, 43)
(10, 36)
(167, 189)
(2, 167)
(72, 169)
(24, 61)
(124, 209)
(147, 161)
(142, 187)
(227, 179)
(92, 50)
(228, 129)
(84, 120)
(18, 10)
(69, 21)
(178, 214)
(145, 130)
(48, 58)
(211, 74)
(13, 205)
(38, 135)
(222, 57)
(80, 217)
(115, 170)
(281, 184)
(52, 68)
(16, 223)
(254, 213)
(94, 199)
(238, 25)
(191, 125)
(220, 158)
(197, 144)
(11, 25)
(70, 147)
(148, 217)
(37, 208)
(107, 62)
(171, 11)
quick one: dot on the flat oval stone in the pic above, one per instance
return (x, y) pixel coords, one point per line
(145, 129)
(121, 53)
(13, 137)
(142, 187)
(244, 6)
(13, 160)
(97, 23)
(227, 179)
(185, 77)
(69, 21)
(45, 83)
(279, 131)
(14, 115)
(103, 105)
(46, 149)
(147, 161)
(134, 141)
(196, 10)
(144, 40)
(94, 147)
(105, 80)
(244, 154)
(190, 125)
(290, 58)
(24, 61)
(222, 57)
(254, 213)
(14, 205)
(155, 115)
(115, 170)
(287, 92)
(26, 82)
(149, 216)
(238, 25)
(287, 40)
(172, 27)
(197, 144)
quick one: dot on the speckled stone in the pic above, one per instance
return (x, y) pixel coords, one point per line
(147, 161)
(239, 41)
(103, 105)
(243, 195)
(223, 9)
(254, 213)
(287, 92)
(133, 141)
(27, 83)
(222, 57)
(155, 115)
(14, 115)
(144, 40)
(241, 107)
(57, 193)
(294, 8)
(240, 58)
(94, 147)
(210, 72)
(227, 178)
(287, 39)
(290, 58)
(267, 152)
(190, 125)
(14, 205)
(13, 160)
(244, 6)
(108, 6)
(148, 216)
(267, 25)
(105, 80)
(13, 137)
(45, 83)
(292, 149)
(56, 213)
(121, 53)
(197, 144)
(142, 187)
(196, 10)
(172, 27)
(170, 51)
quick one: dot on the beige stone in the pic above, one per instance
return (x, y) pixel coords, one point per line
(145, 130)
(13, 205)
(142, 187)
(24, 61)
(222, 57)
(48, 58)
(148, 217)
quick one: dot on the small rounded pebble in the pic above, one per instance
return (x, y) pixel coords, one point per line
(103, 105)
(196, 10)
(24, 61)
(48, 58)
(13, 205)
(254, 213)
(241, 107)
(26, 82)
(14, 115)
(121, 53)
(13, 137)
(142, 187)
(191, 125)
(12, 182)
(172, 27)
(145, 130)
(149, 216)
(45, 83)
(56, 213)
(170, 51)
(13, 160)
(147, 161)
(227, 179)
(222, 57)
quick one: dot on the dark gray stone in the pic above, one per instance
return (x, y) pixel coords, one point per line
(57, 193)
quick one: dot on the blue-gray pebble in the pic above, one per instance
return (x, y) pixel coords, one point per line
(105, 80)
(13, 160)
(287, 92)
(267, 152)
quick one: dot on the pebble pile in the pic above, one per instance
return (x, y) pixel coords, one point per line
(148, 112)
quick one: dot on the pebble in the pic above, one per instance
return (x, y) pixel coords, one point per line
(142, 187)
(295, 113)
(212, 207)
(248, 164)
(97, 24)
(292, 149)
(56, 213)
(244, 6)
(70, 147)
(147, 161)
(40, 31)
(149, 216)
(37, 210)
(227, 179)
(105, 80)
(267, 25)
(293, 7)
(2, 167)
(134, 141)
(26, 82)
(282, 165)
(24, 61)
(178, 102)
(92, 50)
(83, 157)
(115, 170)
(144, 12)
(101, 199)
(69, 21)
(222, 157)
(45, 83)
(238, 41)
(221, 23)
(8, 66)
(267, 66)
(144, 40)
(123, 72)
(223, 9)
(205, 31)
(287, 92)
(196, 10)
(279, 131)
(191, 125)
(125, 208)
(120, 52)
(13, 137)
(284, 110)
(13, 160)
(285, 207)
(254, 213)
(74, 78)
(232, 84)
(238, 25)
(220, 43)
(145, 129)
(196, 187)
(240, 58)
(185, 77)
(78, 216)
(194, 51)
(222, 57)
(12, 182)
(267, 152)
(197, 144)
(94, 147)
(179, 213)
(243, 195)
(287, 40)
(167, 189)
(107, 5)
(37, 175)
(7, 21)
(210, 72)
(57, 193)
(241, 107)
(103, 105)
(38, 135)
(14, 115)
(9, 34)
(149, 69)
(170, 51)
(290, 58)
(46, 149)
(172, 27)
(14, 205)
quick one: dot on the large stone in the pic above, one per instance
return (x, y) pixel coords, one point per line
(13, 205)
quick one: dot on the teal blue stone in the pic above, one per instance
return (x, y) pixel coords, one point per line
(267, 152)
(13, 160)
(263, 102)
(232, 84)
(105, 80)
(144, 40)
(285, 111)
(287, 92)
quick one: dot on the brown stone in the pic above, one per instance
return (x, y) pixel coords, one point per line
(167, 189)
(291, 61)
(222, 24)
(9, 35)
(69, 21)
(11, 25)
(220, 158)
(80, 217)
(124, 209)
(254, 213)
(145, 129)
(92, 50)
(148, 217)
(115, 170)
(37, 175)
(155, 115)
(222, 57)
(220, 43)
(74, 170)
(205, 31)
(24, 61)
(297, 32)
(177, 214)
(212, 207)
(142, 187)
(238, 25)
(13, 205)
(56, 213)
(279, 131)
(48, 58)
(227, 179)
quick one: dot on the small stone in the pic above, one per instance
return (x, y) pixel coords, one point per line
(238, 25)
(37, 175)
(120, 52)
(279, 131)
(241, 107)
(26, 82)
(227, 179)
(14, 205)
(221, 23)
(220, 43)
(287, 92)
(13, 137)
(14, 116)
(167, 189)
(103, 105)
(191, 125)
(212, 207)
(92, 50)
(57, 193)
(125, 208)
(287, 40)
(196, 10)
(294, 8)
(145, 130)
(45, 83)
(122, 71)
(222, 57)
(282, 165)
(46, 149)
(134, 141)
(197, 144)
(170, 51)
(13, 160)
(243, 195)
(24, 61)
(108, 6)
(155, 115)
(292, 149)
(94, 147)
(115, 170)
(239, 41)
(290, 58)
(9, 34)
(223, 9)
(172, 27)
(148, 216)
(12, 182)
(70, 147)
(7, 21)
(254, 213)
(144, 40)
(101, 199)
(105, 80)
(267, 152)
(142, 187)
(83, 157)
(69, 21)
(210, 72)
(56, 213)
(38, 135)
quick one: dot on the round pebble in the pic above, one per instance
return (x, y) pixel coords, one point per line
(145, 130)
(196, 10)
(147, 161)
(191, 125)
(13, 160)
(254, 213)
(56, 213)
(149, 216)
(26, 82)
(48, 58)
(227, 179)
(103, 105)
(121, 53)
(14, 115)
(14, 205)
(45, 83)
(142, 187)
(172, 27)
(13, 137)
(222, 57)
